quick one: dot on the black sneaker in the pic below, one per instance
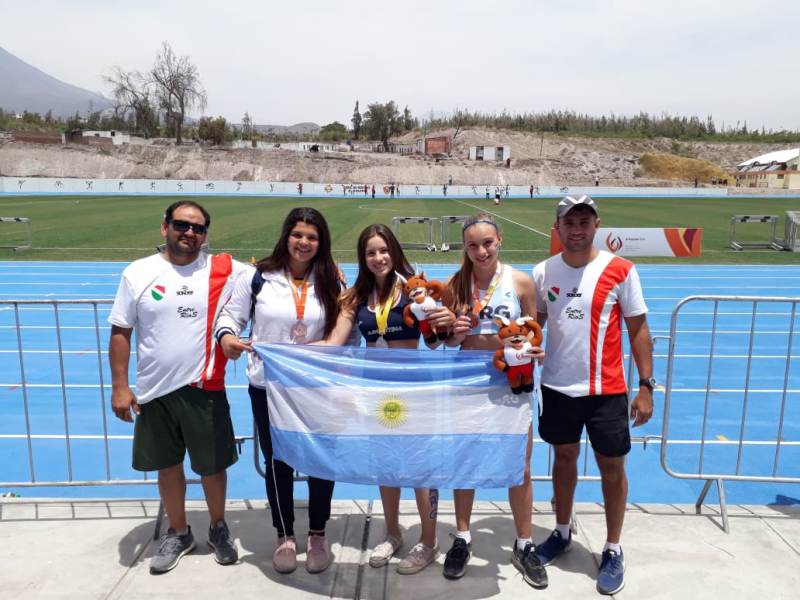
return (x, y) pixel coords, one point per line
(553, 547)
(170, 550)
(455, 562)
(528, 564)
(219, 538)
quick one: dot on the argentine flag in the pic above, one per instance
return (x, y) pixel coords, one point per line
(405, 418)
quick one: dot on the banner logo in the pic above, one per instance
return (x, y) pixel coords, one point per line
(614, 244)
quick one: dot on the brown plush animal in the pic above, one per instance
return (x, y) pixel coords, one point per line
(518, 337)
(423, 295)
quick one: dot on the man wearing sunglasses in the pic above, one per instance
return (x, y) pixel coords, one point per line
(171, 299)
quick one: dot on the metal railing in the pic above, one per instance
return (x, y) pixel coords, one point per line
(762, 467)
(25, 386)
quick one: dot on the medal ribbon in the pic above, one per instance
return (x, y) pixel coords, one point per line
(299, 296)
(479, 305)
(382, 312)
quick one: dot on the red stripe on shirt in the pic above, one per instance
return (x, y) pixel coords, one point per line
(214, 379)
(611, 371)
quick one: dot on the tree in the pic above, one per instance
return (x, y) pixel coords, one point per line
(333, 132)
(382, 121)
(215, 131)
(409, 122)
(131, 91)
(177, 87)
(356, 121)
(247, 127)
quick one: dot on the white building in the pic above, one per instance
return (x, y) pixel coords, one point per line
(498, 153)
(117, 137)
(773, 170)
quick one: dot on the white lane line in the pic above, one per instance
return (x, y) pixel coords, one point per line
(483, 209)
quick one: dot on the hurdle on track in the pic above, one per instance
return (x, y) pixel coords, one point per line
(791, 239)
(448, 244)
(25, 241)
(761, 469)
(425, 244)
(736, 243)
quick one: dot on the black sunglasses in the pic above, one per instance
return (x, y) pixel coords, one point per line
(184, 226)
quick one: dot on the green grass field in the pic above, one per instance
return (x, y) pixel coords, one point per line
(127, 227)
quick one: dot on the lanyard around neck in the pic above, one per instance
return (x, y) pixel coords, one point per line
(479, 305)
(299, 294)
(382, 312)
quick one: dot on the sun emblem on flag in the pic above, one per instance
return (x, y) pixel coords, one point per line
(392, 411)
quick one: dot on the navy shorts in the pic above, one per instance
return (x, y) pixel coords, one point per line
(605, 417)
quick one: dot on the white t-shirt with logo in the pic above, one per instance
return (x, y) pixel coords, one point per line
(584, 308)
(172, 310)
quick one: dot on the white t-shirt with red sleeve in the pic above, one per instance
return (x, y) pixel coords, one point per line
(172, 309)
(584, 308)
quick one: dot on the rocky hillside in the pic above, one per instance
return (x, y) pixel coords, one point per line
(536, 159)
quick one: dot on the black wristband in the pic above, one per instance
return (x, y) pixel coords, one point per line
(222, 333)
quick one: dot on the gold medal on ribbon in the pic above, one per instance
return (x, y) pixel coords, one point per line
(382, 318)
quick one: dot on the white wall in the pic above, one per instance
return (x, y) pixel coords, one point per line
(53, 185)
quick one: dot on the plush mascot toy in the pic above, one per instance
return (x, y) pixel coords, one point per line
(423, 295)
(518, 337)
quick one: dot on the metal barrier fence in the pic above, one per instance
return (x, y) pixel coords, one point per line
(102, 400)
(756, 411)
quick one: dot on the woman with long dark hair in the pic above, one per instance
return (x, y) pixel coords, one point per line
(375, 304)
(292, 297)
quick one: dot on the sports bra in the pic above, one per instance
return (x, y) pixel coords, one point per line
(395, 328)
(504, 303)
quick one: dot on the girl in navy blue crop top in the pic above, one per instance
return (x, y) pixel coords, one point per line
(375, 303)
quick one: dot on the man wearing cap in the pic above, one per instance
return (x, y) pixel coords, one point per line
(584, 294)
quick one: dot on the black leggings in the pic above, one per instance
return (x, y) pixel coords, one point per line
(280, 479)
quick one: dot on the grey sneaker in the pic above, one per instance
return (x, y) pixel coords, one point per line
(219, 538)
(419, 557)
(170, 550)
(384, 551)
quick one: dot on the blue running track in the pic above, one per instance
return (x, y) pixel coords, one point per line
(664, 286)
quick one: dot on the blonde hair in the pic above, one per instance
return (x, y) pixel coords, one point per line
(461, 281)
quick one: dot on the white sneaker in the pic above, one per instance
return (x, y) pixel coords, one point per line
(384, 551)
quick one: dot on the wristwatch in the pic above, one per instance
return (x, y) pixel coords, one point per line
(648, 382)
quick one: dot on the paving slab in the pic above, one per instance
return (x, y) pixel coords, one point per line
(101, 549)
(689, 556)
(253, 576)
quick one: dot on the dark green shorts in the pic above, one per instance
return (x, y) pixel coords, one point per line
(187, 419)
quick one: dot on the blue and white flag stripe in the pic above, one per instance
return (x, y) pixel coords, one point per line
(394, 417)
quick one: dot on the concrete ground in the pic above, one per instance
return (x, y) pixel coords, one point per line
(101, 549)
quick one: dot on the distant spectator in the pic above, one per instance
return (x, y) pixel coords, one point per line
(596, 181)
(508, 163)
(300, 188)
(444, 189)
(695, 182)
(531, 190)
(507, 190)
(366, 189)
(398, 189)
(450, 180)
(373, 190)
(487, 192)
(391, 191)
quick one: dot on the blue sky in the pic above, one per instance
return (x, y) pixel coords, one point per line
(309, 60)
